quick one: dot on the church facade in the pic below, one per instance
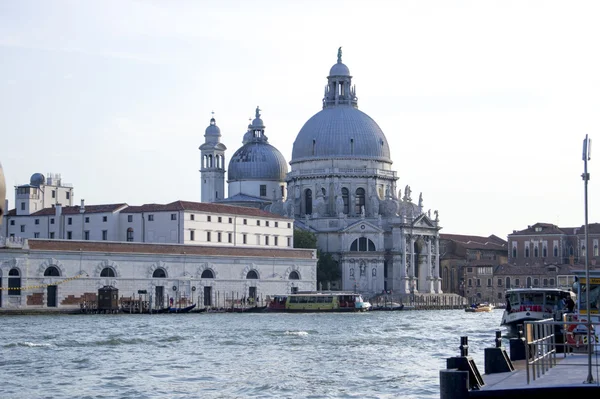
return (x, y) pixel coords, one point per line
(342, 187)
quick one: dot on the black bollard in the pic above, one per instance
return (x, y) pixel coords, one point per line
(517, 345)
(466, 363)
(496, 359)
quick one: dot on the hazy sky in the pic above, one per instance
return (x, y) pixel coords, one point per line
(485, 104)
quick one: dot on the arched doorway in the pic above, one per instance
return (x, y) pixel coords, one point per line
(159, 290)
(52, 290)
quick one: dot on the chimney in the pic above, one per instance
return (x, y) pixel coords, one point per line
(82, 207)
(58, 210)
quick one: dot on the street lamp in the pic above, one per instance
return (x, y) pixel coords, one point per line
(586, 177)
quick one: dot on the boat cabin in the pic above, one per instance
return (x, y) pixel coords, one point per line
(537, 300)
(581, 286)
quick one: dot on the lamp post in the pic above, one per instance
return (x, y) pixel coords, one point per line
(586, 177)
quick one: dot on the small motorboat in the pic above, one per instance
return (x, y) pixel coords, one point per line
(480, 307)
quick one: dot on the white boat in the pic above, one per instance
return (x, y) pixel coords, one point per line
(523, 304)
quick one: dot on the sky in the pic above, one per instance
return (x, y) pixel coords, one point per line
(485, 104)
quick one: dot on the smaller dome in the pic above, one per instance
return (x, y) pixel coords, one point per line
(258, 123)
(212, 129)
(339, 69)
(37, 179)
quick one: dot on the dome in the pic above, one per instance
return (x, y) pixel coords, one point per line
(212, 129)
(339, 69)
(37, 179)
(257, 160)
(340, 132)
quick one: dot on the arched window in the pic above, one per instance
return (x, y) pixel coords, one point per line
(535, 252)
(294, 275)
(346, 198)
(544, 252)
(555, 251)
(362, 244)
(130, 234)
(52, 271)
(109, 272)
(14, 282)
(359, 201)
(308, 201)
(527, 251)
(507, 282)
(252, 275)
(514, 252)
(571, 251)
(159, 273)
(528, 282)
(207, 274)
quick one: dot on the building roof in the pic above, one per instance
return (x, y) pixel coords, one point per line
(74, 210)
(166, 249)
(340, 130)
(477, 242)
(202, 207)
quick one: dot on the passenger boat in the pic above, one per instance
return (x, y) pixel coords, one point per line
(320, 302)
(524, 304)
(480, 307)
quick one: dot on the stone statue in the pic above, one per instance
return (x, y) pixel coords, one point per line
(420, 200)
(362, 211)
(429, 213)
(339, 204)
(399, 193)
(437, 216)
(374, 272)
(340, 55)
(363, 267)
(351, 272)
(407, 194)
(373, 200)
(257, 112)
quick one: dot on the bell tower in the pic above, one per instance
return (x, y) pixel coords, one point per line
(212, 164)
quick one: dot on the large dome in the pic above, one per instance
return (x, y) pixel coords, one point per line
(257, 161)
(340, 132)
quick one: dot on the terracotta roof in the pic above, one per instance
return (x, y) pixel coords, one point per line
(203, 207)
(547, 228)
(166, 249)
(75, 210)
(476, 242)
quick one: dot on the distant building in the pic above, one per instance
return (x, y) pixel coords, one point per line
(463, 255)
(545, 243)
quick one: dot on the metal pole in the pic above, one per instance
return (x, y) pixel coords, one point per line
(586, 178)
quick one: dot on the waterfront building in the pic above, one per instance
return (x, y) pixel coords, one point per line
(41, 274)
(546, 243)
(179, 222)
(461, 253)
(342, 187)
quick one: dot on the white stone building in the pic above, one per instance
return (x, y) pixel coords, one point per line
(42, 274)
(342, 187)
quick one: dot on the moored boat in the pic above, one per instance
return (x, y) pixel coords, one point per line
(182, 310)
(319, 302)
(523, 304)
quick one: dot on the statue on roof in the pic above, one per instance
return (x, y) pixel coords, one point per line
(340, 55)
(257, 112)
